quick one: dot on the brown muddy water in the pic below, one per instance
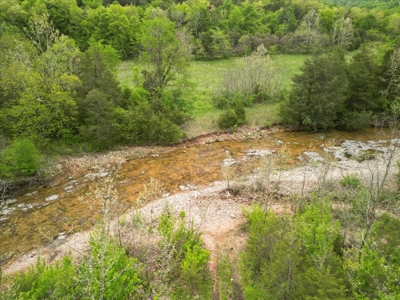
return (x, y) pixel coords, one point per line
(48, 213)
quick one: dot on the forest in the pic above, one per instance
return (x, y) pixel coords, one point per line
(61, 93)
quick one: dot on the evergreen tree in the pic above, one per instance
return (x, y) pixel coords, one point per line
(363, 89)
(318, 94)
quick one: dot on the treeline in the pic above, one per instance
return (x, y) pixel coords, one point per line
(55, 96)
(384, 4)
(216, 29)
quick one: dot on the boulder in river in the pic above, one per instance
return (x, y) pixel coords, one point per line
(52, 198)
(313, 156)
(252, 152)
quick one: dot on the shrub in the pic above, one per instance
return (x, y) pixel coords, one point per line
(318, 93)
(142, 125)
(231, 100)
(350, 181)
(255, 79)
(232, 117)
(20, 159)
(228, 119)
(45, 282)
(189, 272)
(108, 273)
(292, 257)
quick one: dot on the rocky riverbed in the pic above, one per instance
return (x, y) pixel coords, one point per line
(189, 187)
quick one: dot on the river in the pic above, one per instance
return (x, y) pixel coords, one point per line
(39, 215)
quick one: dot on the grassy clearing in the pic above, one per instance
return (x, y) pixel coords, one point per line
(258, 115)
(206, 77)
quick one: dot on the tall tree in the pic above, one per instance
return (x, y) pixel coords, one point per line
(318, 93)
(363, 90)
(168, 51)
(343, 33)
(391, 75)
(96, 70)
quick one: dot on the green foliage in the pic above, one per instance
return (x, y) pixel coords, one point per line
(168, 51)
(365, 155)
(45, 107)
(233, 100)
(363, 92)
(216, 44)
(364, 3)
(41, 119)
(45, 81)
(228, 119)
(20, 159)
(46, 281)
(350, 181)
(108, 272)
(354, 120)
(287, 258)
(224, 277)
(96, 70)
(114, 25)
(317, 96)
(141, 124)
(371, 275)
(318, 231)
(189, 273)
(386, 238)
(271, 256)
(232, 117)
(321, 284)
(100, 129)
(254, 79)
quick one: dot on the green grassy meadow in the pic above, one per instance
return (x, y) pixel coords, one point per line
(206, 76)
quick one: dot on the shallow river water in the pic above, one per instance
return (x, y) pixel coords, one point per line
(36, 216)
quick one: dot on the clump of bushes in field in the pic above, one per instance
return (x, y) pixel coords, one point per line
(253, 80)
(232, 117)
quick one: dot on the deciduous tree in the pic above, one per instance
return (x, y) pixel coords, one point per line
(167, 51)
